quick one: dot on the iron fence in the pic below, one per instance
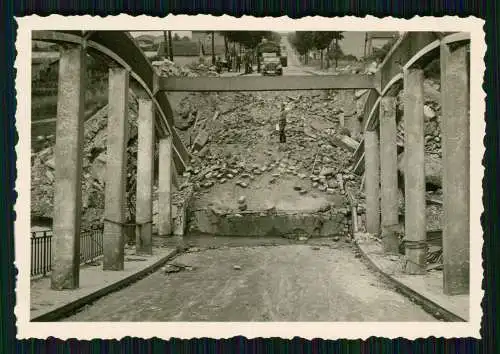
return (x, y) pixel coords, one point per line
(41, 249)
(41, 252)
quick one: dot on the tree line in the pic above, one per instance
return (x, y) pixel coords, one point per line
(244, 39)
(305, 41)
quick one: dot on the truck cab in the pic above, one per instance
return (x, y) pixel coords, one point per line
(271, 64)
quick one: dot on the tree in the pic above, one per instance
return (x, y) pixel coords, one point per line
(163, 49)
(248, 39)
(177, 37)
(185, 38)
(213, 47)
(322, 40)
(302, 41)
(170, 46)
(337, 36)
(336, 54)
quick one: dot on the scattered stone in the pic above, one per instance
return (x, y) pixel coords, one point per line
(303, 191)
(302, 238)
(429, 112)
(297, 188)
(242, 184)
(236, 267)
(170, 268)
(316, 248)
(325, 207)
(242, 199)
(223, 180)
(336, 239)
(326, 172)
(242, 207)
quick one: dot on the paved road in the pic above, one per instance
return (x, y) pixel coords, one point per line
(275, 283)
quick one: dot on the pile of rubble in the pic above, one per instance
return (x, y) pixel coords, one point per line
(240, 142)
(232, 138)
(166, 67)
(94, 159)
(94, 168)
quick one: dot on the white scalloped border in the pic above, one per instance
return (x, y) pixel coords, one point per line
(308, 330)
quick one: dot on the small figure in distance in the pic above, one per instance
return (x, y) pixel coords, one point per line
(282, 123)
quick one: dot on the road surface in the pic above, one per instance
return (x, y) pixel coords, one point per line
(269, 283)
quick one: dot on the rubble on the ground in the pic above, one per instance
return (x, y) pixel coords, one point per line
(166, 67)
(233, 140)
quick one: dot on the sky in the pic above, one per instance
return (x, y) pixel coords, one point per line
(159, 33)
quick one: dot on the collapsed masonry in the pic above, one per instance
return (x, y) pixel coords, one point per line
(233, 141)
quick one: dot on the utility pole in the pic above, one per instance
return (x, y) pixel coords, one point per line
(213, 48)
(170, 50)
(366, 40)
(165, 45)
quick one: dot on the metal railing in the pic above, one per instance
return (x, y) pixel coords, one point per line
(41, 252)
(41, 249)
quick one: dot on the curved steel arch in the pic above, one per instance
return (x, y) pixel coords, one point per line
(421, 57)
(121, 48)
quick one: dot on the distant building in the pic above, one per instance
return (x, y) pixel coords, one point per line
(360, 43)
(377, 40)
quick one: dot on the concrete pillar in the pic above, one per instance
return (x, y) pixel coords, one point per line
(165, 187)
(372, 182)
(116, 170)
(456, 169)
(414, 176)
(389, 175)
(145, 166)
(68, 169)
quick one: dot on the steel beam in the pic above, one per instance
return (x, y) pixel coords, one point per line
(258, 83)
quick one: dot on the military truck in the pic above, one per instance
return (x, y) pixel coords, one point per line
(270, 49)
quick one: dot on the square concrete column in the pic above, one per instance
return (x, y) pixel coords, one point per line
(145, 166)
(389, 175)
(116, 169)
(456, 169)
(372, 182)
(68, 169)
(165, 187)
(414, 175)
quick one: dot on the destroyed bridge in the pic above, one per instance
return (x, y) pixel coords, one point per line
(376, 155)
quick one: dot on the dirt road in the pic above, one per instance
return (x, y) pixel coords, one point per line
(271, 283)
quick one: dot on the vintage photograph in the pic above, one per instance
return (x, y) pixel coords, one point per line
(251, 176)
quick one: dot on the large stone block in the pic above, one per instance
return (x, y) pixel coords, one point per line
(201, 140)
